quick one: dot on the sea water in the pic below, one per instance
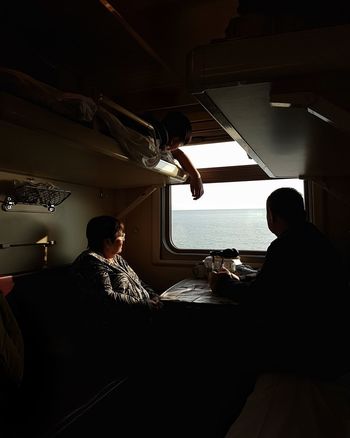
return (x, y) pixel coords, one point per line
(243, 229)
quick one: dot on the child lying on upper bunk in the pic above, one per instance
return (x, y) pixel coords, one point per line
(144, 145)
(174, 131)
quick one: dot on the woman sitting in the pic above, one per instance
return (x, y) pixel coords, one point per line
(104, 274)
(115, 306)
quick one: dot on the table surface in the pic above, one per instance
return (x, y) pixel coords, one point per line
(194, 291)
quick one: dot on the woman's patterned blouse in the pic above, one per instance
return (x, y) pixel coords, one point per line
(112, 279)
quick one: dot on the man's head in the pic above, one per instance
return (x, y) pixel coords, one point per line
(178, 128)
(284, 209)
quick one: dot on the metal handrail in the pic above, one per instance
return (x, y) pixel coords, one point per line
(13, 245)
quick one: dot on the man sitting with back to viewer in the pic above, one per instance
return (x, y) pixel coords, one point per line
(295, 309)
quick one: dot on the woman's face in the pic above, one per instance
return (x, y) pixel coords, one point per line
(118, 243)
(111, 248)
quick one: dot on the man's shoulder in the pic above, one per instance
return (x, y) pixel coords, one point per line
(318, 240)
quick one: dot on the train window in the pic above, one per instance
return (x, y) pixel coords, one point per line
(217, 155)
(231, 213)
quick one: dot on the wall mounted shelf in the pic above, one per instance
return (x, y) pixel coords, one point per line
(41, 194)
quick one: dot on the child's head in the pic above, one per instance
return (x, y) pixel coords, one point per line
(178, 128)
(173, 131)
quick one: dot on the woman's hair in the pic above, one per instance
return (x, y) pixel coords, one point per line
(100, 228)
(178, 125)
(288, 204)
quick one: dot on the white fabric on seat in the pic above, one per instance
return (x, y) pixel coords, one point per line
(289, 406)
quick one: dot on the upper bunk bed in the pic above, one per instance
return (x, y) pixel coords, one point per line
(47, 133)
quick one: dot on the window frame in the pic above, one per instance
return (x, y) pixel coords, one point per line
(210, 175)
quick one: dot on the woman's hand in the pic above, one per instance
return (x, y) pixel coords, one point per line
(213, 280)
(155, 304)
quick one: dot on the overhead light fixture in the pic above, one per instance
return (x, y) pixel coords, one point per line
(280, 104)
